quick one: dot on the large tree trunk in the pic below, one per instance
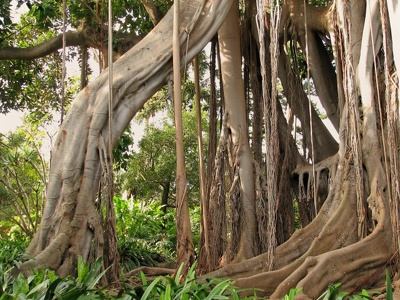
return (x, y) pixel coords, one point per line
(351, 239)
(71, 225)
(242, 190)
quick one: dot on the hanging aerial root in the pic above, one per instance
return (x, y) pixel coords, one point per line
(326, 251)
(299, 242)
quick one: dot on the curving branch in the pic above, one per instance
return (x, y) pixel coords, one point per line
(65, 232)
(81, 37)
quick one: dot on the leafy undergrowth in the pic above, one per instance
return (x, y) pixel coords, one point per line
(46, 285)
(146, 235)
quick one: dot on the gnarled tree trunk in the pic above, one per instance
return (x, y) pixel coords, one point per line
(71, 225)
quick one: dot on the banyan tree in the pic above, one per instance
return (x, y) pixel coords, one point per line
(274, 154)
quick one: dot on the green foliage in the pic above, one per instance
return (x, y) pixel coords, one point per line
(334, 293)
(46, 13)
(5, 18)
(169, 288)
(22, 179)
(319, 2)
(389, 289)
(292, 294)
(121, 152)
(43, 285)
(11, 250)
(34, 85)
(146, 236)
(153, 165)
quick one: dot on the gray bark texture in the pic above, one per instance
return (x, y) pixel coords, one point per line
(71, 224)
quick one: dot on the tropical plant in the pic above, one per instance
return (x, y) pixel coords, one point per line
(12, 247)
(33, 85)
(45, 284)
(174, 288)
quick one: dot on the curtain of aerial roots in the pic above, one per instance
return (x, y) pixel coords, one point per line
(312, 179)
(392, 108)
(111, 255)
(64, 68)
(271, 116)
(203, 201)
(353, 126)
(216, 190)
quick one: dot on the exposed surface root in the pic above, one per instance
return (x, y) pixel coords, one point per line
(300, 241)
(349, 265)
(326, 251)
(151, 271)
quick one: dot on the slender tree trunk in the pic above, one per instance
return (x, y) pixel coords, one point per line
(240, 153)
(184, 247)
(215, 195)
(84, 67)
(164, 201)
(204, 204)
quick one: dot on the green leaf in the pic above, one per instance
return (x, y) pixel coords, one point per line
(389, 290)
(51, 290)
(143, 277)
(219, 289)
(168, 292)
(292, 294)
(42, 287)
(83, 269)
(341, 295)
(178, 273)
(149, 289)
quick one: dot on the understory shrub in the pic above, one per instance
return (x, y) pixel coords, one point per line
(146, 236)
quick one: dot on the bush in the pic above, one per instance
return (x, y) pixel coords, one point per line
(146, 236)
(11, 250)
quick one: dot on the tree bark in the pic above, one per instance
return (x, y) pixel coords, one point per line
(332, 248)
(71, 224)
(184, 247)
(204, 204)
(235, 114)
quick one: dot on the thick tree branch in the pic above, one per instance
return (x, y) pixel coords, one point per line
(73, 38)
(85, 37)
